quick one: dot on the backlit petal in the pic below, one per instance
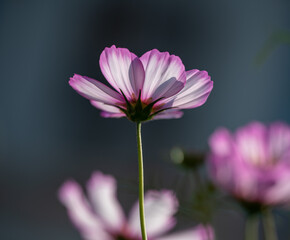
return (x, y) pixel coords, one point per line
(168, 114)
(164, 75)
(95, 90)
(80, 212)
(160, 206)
(123, 70)
(196, 90)
(221, 142)
(108, 111)
(102, 193)
(279, 141)
(198, 233)
(252, 144)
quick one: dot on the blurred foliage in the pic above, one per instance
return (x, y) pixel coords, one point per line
(202, 203)
(188, 160)
(276, 39)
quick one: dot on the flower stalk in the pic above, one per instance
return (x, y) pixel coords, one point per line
(252, 228)
(269, 225)
(141, 183)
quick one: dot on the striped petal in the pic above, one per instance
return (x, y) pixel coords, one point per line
(95, 90)
(160, 206)
(102, 194)
(164, 75)
(168, 114)
(80, 212)
(196, 90)
(123, 70)
(108, 111)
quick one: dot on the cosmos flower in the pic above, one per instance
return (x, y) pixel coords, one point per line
(154, 86)
(253, 164)
(100, 217)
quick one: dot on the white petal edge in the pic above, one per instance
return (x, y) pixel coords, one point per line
(164, 75)
(160, 206)
(108, 111)
(123, 70)
(95, 90)
(168, 114)
(80, 212)
(195, 92)
(102, 193)
(198, 233)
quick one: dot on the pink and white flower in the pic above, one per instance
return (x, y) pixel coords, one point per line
(254, 163)
(154, 86)
(100, 217)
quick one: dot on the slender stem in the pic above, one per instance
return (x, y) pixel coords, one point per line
(269, 225)
(252, 228)
(141, 183)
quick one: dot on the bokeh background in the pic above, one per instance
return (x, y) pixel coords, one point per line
(48, 133)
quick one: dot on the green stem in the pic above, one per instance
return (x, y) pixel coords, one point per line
(141, 183)
(269, 225)
(252, 228)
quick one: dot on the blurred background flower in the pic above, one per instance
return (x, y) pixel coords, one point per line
(254, 163)
(103, 218)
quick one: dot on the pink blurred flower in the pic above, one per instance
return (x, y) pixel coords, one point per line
(102, 218)
(154, 86)
(254, 163)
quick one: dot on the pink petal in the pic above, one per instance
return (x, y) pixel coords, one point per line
(252, 144)
(80, 212)
(279, 193)
(196, 90)
(102, 193)
(221, 145)
(228, 168)
(198, 233)
(95, 90)
(123, 70)
(164, 75)
(221, 142)
(108, 110)
(160, 206)
(168, 114)
(279, 141)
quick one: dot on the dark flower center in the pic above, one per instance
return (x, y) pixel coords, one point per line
(139, 112)
(121, 237)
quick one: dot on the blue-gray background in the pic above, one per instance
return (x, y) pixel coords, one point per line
(48, 133)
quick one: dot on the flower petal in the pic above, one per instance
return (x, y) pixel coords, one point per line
(123, 70)
(221, 142)
(198, 233)
(164, 75)
(252, 144)
(80, 212)
(102, 193)
(168, 114)
(95, 90)
(160, 206)
(196, 90)
(279, 193)
(279, 141)
(108, 110)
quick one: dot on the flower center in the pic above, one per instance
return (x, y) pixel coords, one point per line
(121, 237)
(138, 111)
(267, 162)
